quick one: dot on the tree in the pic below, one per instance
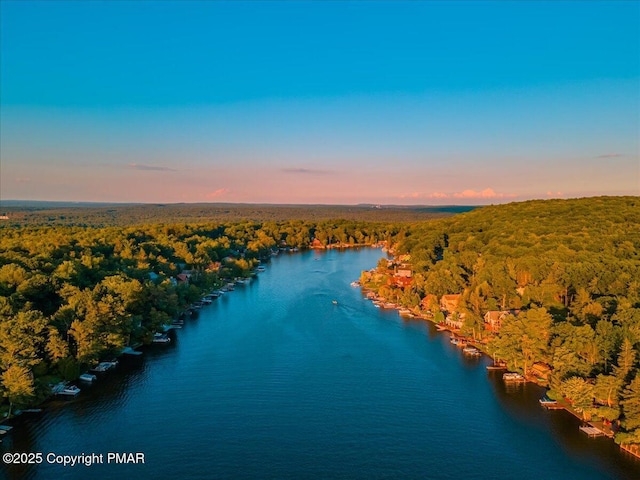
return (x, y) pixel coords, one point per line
(580, 392)
(606, 389)
(524, 340)
(626, 360)
(631, 410)
(17, 382)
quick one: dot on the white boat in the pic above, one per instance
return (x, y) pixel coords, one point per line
(545, 401)
(87, 377)
(70, 391)
(104, 366)
(513, 377)
(473, 351)
(161, 338)
(335, 302)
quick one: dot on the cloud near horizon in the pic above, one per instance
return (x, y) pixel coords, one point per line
(611, 155)
(487, 193)
(158, 168)
(217, 193)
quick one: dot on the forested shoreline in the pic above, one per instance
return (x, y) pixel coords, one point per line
(71, 296)
(563, 274)
(563, 277)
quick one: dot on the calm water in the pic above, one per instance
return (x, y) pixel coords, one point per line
(274, 381)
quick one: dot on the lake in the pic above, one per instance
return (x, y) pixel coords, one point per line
(274, 381)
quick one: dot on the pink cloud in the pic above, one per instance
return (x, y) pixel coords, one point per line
(554, 194)
(438, 195)
(486, 193)
(217, 193)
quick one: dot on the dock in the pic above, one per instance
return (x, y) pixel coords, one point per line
(631, 449)
(592, 431)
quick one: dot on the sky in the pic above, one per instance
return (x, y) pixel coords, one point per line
(338, 102)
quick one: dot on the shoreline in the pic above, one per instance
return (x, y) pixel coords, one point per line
(602, 429)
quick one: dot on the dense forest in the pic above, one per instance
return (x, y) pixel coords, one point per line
(564, 275)
(70, 296)
(22, 213)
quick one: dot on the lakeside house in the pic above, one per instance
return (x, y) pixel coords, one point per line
(183, 277)
(540, 371)
(449, 303)
(493, 319)
(429, 303)
(402, 277)
(455, 320)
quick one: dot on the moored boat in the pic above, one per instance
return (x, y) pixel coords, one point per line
(513, 377)
(161, 338)
(87, 377)
(104, 366)
(472, 351)
(545, 401)
(65, 390)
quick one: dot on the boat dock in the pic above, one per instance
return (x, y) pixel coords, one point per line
(631, 449)
(592, 431)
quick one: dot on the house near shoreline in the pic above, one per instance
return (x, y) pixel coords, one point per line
(402, 277)
(449, 303)
(428, 302)
(183, 277)
(493, 319)
(540, 371)
(455, 320)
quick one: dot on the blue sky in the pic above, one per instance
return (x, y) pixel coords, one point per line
(319, 102)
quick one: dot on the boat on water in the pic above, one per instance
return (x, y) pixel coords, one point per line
(472, 351)
(32, 410)
(70, 391)
(87, 377)
(545, 401)
(513, 377)
(355, 284)
(335, 302)
(405, 312)
(104, 366)
(161, 338)
(65, 390)
(497, 366)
